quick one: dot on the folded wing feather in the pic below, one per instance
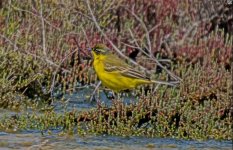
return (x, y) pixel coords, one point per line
(113, 64)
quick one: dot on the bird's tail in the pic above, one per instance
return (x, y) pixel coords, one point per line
(173, 83)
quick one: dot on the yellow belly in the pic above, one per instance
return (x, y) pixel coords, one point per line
(115, 81)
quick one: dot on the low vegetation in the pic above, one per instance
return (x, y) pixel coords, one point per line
(44, 58)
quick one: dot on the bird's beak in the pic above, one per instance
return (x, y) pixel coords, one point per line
(88, 52)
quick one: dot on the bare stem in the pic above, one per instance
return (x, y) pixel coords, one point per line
(43, 29)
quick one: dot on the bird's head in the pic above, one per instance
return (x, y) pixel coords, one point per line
(99, 49)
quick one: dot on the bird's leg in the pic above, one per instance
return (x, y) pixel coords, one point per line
(118, 96)
(114, 98)
(111, 95)
(92, 98)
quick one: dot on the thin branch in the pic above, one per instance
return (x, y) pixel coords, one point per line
(149, 44)
(8, 40)
(121, 54)
(43, 29)
(59, 66)
(34, 55)
(132, 35)
(106, 37)
(85, 35)
(145, 28)
(160, 60)
(27, 11)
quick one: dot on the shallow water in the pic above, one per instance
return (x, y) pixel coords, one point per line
(35, 140)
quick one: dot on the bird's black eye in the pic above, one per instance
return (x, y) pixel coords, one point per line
(96, 50)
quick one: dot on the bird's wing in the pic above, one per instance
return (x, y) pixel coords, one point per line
(114, 64)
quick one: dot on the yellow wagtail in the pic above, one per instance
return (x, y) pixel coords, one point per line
(115, 74)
